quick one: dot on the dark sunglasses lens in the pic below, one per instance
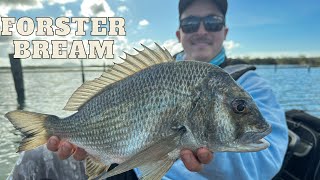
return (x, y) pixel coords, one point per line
(213, 27)
(190, 25)
(213, 24)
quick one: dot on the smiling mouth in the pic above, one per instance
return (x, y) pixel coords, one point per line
(201, 43)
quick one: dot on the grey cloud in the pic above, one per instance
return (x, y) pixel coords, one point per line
(20, 2)
(22, 5)
(96, 9)
(5, 39)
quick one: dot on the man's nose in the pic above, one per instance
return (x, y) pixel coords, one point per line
(202, 29)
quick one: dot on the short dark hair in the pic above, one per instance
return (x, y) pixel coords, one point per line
(221, 4)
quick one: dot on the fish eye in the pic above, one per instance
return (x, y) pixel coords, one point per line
(239, 106)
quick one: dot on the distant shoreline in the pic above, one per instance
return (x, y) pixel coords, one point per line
(298, 61)
(303, 61)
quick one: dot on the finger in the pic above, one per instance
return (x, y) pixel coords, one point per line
(53, 143)
(65, 150)
(190, 161)
(204, 155)
(80, 154)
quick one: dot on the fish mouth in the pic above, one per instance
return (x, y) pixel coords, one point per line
(256, 146)
(254, 141)
(249, 142)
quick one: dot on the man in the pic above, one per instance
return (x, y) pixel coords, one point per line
(202, 32)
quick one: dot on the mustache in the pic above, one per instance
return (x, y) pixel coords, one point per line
(201, 39)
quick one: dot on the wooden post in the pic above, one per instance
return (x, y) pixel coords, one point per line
(82, 71)
(16, 70)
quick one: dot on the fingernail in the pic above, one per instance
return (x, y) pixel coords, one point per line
(53, 142)
(66, 148)
(204, 156)
(187, 158)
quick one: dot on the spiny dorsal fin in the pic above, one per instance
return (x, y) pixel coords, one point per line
(94, 167)
(131, 65)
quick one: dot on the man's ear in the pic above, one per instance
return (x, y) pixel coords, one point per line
(178, 35)
(226, 30)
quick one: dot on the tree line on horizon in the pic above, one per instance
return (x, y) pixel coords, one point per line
(302, 60)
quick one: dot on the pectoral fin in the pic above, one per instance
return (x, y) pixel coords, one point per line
(154, 156)
(94, 167)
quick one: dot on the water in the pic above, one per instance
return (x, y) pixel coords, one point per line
(295, 87)
(48, 92)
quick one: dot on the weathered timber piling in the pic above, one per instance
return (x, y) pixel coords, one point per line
(82, 71)
(16, 70)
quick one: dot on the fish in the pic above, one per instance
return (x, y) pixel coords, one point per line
(142, 112)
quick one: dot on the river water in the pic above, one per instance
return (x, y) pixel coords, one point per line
(47, 92)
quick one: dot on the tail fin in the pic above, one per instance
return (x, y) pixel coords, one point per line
(33, 126)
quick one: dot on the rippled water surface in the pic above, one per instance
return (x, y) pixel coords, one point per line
(48, 92)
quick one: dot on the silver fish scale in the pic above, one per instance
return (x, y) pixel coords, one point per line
(129, 115)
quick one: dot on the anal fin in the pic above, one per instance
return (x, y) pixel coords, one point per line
(154, 156)
(94, 167)
(156, 170)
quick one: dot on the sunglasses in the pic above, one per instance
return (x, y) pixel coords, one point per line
(211, 23)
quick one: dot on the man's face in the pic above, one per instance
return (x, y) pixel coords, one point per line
(201, 45)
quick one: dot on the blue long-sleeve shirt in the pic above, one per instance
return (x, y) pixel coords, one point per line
(251, 165)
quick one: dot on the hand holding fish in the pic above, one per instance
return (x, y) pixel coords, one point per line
(65, 149)
(192, 161)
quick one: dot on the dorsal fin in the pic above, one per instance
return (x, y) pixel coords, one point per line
(131, 65)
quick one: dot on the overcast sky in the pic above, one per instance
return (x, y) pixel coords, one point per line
(272, 28)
